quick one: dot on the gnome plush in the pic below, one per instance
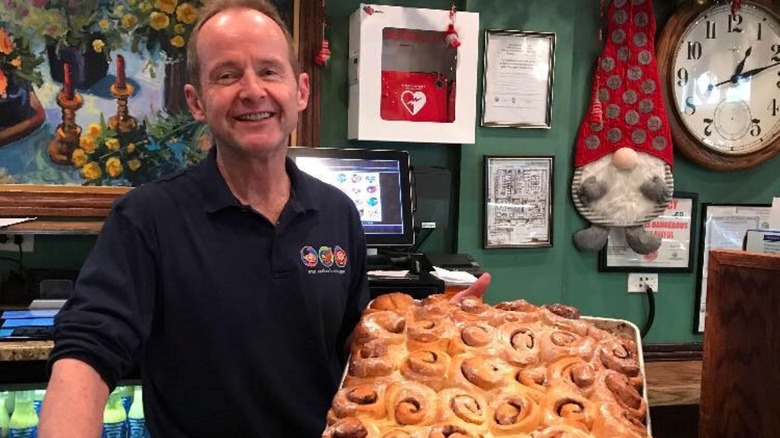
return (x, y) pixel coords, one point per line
(623, 157)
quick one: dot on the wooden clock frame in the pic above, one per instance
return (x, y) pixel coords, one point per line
(684, 141)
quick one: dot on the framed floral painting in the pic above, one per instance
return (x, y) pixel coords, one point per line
(92, 101)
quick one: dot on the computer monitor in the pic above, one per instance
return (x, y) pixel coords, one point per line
(377, 181)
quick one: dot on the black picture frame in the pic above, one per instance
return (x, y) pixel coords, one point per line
(640, 263)
(704, 246)
(519, 205)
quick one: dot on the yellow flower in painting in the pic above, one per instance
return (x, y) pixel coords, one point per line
(3, 83)
(180, 28)
(112, 144)
(119, 9)
(97, 45)
(132, 2)
(113, 167)
(145, 7)
(6, 44)
(167, 6)
(186, 13)
(17, 62)
(177, 41)
(87, 144)
(134, 164)
(104, 24)
(129, 20)
(91, 170)
(94, 130)
(159, 21)
(79, 157)
(131, 148)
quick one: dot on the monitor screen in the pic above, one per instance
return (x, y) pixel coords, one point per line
(377, 181)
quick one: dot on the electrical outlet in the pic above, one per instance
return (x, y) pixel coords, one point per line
(8, 243)
(639, 282)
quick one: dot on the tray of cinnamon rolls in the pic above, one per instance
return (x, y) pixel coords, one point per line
(435, 369)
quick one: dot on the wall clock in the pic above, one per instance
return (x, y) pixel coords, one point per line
(721, 78)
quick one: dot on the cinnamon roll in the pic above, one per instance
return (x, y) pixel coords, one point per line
(359, 401)
(573, 373)
(472, 310)
(386, 325)
(513, 413)
(428, 367)
(555, 344)
(351, 427)
(428, 334)
(613, 387)
(564, 431)
(620, 355)
(396, 301)
(569, 408)
(410, 404)
(371, 360)
(406, 432)
(451, 431)
(462, 408)
(519, 343)
(474, 372)
(614, 421)
(473, 337)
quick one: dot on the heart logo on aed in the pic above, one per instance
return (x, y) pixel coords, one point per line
(413, 101)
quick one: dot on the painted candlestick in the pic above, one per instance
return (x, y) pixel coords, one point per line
(122, 121)
(68, 132)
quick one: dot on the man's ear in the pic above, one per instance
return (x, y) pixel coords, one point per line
(303, 91)
(193, 101)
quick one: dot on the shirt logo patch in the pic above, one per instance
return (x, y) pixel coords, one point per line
(309, 256)
(340, 256)
(326, 256)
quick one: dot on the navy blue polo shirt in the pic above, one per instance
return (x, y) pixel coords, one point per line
(238, 324)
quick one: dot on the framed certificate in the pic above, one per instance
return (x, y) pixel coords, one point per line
(518, 207)
(675, 226)
(517, 79)
(723, 227)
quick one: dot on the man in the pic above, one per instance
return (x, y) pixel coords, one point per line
(198, 277)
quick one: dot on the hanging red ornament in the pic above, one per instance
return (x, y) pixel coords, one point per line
(735, 5)
(596, 112)
(324, 56)
(451, 35)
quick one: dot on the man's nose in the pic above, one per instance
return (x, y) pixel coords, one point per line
(252, 87)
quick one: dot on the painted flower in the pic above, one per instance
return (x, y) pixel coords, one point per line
(17, 62)
(145, 7)
(87, 144)
(179, 28)
(3, 84)
(112, 144)
(97, 45)
(91, 171)
(93, 130)
(131, 148)
(104, 24)
(129, 20)
(177, 41)
(167, 6)
(186, 13)
(159, 21)
(79, 157)
(6, 44)
(113, 167)
(134, 164)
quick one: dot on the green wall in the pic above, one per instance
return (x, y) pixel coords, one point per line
(557, 274)
(560, 273)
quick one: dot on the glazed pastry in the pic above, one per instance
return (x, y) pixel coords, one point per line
(435, 369)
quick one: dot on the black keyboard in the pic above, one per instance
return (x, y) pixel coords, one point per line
(30, 333)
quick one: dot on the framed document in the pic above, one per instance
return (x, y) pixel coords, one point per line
(723, 227)
(517, 79)
(518, 207)
(675, 227)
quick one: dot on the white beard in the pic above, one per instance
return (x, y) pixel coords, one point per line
(623, 204)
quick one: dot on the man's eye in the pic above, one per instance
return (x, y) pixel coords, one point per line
(269, 72)
(227, 78)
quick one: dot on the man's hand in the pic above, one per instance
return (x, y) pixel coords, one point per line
(476, 290)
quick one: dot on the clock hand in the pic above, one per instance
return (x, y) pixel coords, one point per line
(741, 65)
(755, 71)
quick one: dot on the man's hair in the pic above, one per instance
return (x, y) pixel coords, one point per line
(212, 8)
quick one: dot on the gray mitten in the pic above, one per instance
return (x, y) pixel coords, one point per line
(592, 190)
(640, 241)
(592, 238)
(655, 189)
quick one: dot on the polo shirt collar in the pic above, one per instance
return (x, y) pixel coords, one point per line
(217, 194)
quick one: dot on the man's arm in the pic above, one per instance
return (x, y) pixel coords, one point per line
(74, 402)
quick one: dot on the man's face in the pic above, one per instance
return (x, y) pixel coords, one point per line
(250, 96)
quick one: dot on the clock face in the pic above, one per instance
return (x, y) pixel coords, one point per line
(726, 79)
